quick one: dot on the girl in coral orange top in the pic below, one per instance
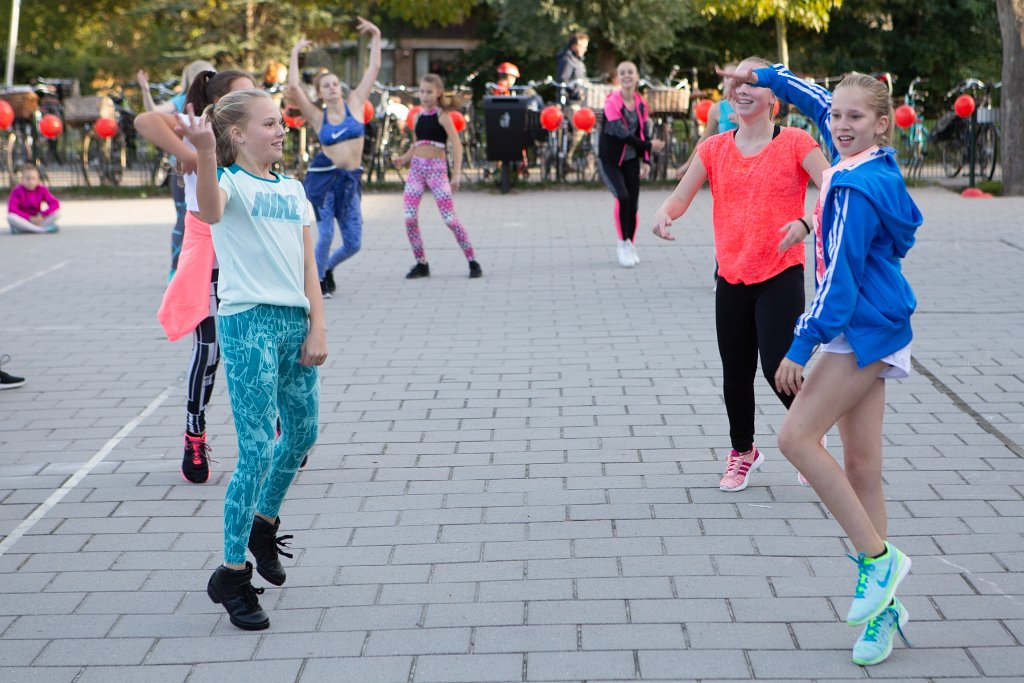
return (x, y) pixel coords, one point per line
(758, 175)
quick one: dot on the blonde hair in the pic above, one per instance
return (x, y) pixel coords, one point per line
(876, 96)
(193, 69)
(231, 111)
(437, 82)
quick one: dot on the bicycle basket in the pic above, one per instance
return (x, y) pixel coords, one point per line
(594, 96)
(23, 102)
(88, 109)
(668, 100)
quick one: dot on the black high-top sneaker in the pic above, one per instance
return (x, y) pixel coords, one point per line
(419, 270)
(233, 589)
(475, 270)
(265, 545)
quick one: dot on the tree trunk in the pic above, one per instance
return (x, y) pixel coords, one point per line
(1011, 26)
(781, 43)
(250, 27)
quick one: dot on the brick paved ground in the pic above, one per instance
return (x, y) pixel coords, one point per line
(516, 478)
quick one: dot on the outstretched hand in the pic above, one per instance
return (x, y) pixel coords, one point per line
(661, 223)
(142, 78)
(200, 131)
(366, 26)
(738, 75)
(301, 45)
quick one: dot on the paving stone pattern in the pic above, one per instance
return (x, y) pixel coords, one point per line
(516, 477)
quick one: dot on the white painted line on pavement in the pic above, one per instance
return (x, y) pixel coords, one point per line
(82, 471)
(44, 271)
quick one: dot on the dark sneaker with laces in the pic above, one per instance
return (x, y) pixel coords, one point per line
(329, 279)
(233, 589)
(265, 545)
(325, 292)
(475, 270)
(195, 464)
(419, 270)
(8, 381)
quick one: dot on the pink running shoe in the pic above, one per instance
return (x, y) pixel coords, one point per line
(738, 468)
(799, 475)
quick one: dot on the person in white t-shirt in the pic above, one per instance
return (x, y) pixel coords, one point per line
(189, 304)
(271, 328)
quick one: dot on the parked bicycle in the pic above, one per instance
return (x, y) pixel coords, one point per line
(669, 106)
(952, 136)
(390, 138)
(912, 141)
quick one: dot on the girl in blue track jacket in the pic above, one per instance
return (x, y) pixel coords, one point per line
(860, 319)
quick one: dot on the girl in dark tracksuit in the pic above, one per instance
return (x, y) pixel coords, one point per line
(625, 143)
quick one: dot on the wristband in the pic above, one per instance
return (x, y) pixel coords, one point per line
(806, 227)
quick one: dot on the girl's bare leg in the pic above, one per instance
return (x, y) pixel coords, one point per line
(834, 387)
(861, 431)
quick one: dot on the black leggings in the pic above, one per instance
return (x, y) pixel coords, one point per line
(749, 319)
(202, 369)
(624, 183)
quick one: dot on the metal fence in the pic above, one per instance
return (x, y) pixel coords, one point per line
(80, 158)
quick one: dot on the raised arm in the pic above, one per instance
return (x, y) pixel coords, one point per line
(142, 78)
(160, 129)
(362, 91)
(810, 98)
(210, 196)
(297, 93)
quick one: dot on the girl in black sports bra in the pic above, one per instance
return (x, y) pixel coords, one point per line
(428, 168)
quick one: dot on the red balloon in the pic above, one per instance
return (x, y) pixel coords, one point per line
(51, 127)
(551, 117)
(105, 127)
(410, 119)
(703, 107)
(458, 120)
(6, 114)
(367, 111)
(584, 119)
(964, 106)
(293, 120)
(905, 116)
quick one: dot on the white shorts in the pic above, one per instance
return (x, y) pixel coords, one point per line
(899, 362)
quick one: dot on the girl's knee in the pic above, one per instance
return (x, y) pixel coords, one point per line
(792, 439)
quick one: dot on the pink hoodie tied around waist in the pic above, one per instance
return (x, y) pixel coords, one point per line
(186, 301)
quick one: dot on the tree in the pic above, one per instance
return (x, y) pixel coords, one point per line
(639, 29)
(1011, 24)
(812, 14)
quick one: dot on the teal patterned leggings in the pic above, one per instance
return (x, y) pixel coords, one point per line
(260, 348)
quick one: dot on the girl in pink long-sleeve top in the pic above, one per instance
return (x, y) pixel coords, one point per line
(31, 207)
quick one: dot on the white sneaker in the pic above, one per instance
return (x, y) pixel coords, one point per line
(632, 251)
(625, 255)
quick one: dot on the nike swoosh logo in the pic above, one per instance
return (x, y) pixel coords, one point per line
(335, 136)
(888, 574)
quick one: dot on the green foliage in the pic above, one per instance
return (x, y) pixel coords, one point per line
(812, 14)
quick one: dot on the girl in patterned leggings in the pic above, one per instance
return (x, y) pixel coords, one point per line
(271, 328)
(428, 168)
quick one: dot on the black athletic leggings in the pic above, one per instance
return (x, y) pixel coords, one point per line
(624, 183)
(751, 319)
(202, 369)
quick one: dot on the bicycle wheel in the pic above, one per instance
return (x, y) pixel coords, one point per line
(953, 155)
(115, 157)
(17, 154)
(986, 147)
